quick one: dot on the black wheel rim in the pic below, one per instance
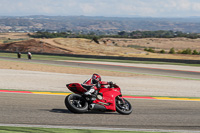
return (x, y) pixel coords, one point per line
(77, 102)
(123, 105)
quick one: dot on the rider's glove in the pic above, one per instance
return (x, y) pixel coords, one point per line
(110, 83)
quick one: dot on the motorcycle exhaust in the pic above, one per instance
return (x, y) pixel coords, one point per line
(97, 107)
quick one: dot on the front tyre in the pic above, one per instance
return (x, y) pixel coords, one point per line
(76, 103)
(123, 106)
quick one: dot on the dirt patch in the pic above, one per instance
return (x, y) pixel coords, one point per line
(33, 45)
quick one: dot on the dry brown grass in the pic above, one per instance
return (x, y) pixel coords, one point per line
(8, 36)
(86, 46)
(13, 35)
(113, 46)
(159, 43)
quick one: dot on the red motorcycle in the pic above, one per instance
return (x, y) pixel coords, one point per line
(106, 99)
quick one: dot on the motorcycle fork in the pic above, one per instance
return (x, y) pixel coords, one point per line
(122, 99)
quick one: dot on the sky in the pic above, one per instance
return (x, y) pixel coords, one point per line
(107, 8)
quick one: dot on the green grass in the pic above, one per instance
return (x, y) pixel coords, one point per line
(7, 129)
(51, 57)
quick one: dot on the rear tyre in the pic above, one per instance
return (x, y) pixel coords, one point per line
(76, 103)
(123, 106)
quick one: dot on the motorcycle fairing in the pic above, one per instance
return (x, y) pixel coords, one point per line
(76, 88)
(109, 95)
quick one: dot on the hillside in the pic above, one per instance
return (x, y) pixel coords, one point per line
(106, 47)
(33, 45)
(67, 46)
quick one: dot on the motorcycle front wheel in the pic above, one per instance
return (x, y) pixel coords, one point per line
(76, 103)
(123, 106)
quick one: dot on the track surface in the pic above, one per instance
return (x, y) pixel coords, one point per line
(35, 109)
(164, 72)
(148, 114)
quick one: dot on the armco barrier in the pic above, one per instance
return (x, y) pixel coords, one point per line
(119, 58)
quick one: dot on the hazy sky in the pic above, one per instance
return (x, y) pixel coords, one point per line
(119, 8)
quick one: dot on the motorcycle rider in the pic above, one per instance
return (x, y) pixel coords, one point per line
(95, 83)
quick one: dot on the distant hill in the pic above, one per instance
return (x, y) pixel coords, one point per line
(98, 25)
(107, 47)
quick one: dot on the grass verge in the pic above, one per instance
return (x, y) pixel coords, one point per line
(51, 57)
(8, 129)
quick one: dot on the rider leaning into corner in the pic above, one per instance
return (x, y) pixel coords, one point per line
(94, 84)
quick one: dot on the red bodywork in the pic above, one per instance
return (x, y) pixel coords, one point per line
(109, 95)
(76, 88)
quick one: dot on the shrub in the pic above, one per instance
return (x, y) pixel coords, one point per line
(172, 51)
(146, 49)
(187, 51)
(179, 52)
(162, 51)
(195, 52)
(151, 50)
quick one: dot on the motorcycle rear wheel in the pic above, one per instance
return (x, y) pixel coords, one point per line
(123, 107)
(76, 103)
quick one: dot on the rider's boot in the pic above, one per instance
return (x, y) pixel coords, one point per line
(89, 92)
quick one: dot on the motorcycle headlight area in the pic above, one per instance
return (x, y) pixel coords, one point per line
(100, 97)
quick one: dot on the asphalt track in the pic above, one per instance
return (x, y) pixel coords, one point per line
(140, 70)
(33, 109)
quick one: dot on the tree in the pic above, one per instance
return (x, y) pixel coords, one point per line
(95, 39)
(122, 33)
